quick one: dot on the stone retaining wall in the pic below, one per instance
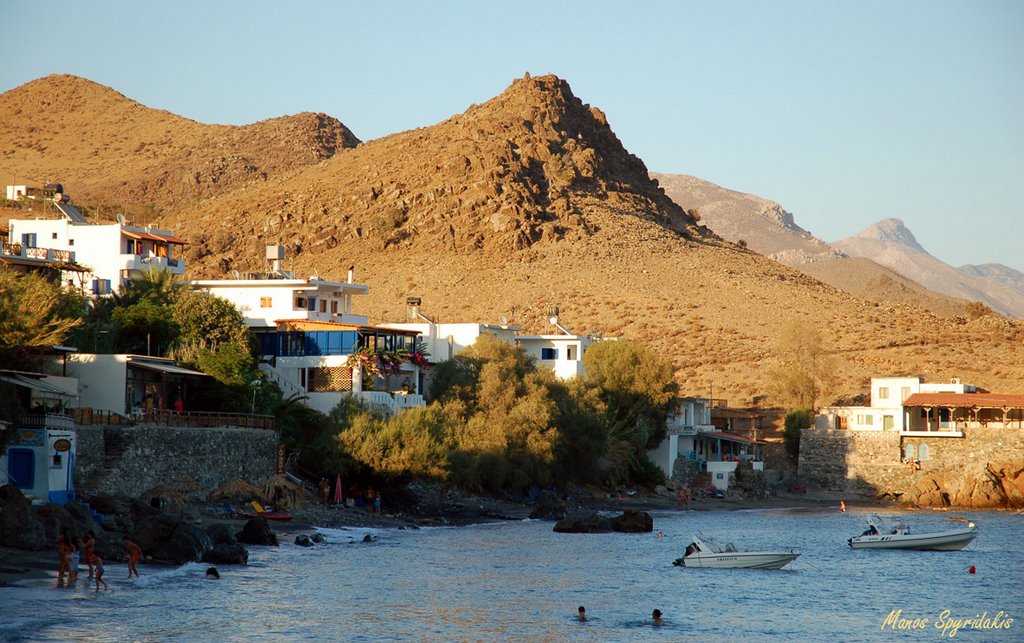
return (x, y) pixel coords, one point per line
(985, 468)
(130, 460)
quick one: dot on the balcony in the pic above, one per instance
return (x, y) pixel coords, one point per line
(141, 262)
(48, 421)
(41, 254)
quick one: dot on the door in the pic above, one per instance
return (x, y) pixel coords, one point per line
(887, 422)
(21, 467)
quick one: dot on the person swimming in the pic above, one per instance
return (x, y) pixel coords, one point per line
(582, 613)
(656, 615)
(212, 573)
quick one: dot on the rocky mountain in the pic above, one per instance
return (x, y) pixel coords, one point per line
(765, 227)
(529, 200)
(111, 151)
(891, 244)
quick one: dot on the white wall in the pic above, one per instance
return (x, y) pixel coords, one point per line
(249, 295)
(102, 380)
(569, 352)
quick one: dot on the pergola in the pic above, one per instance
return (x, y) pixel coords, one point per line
(977, 408)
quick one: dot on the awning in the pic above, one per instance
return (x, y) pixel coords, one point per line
(152, 236)
(39, 385)
(170, 369)
(727, 437)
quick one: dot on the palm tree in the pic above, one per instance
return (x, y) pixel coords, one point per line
(155, 284)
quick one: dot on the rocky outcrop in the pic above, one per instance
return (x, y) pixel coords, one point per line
(630, 521)
(548, 507)
(167, 538)
(1001, 488)
(633, 522)
(19, 527)
(257, 532)
(223, 554)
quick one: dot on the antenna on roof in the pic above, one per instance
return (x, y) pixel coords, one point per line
(503, 320)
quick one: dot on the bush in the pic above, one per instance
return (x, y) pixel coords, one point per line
(796, 421)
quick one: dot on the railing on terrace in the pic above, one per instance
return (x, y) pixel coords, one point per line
(48, 421)
(188, 419)
(201, 419)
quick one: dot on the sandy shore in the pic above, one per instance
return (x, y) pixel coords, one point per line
(19, 567)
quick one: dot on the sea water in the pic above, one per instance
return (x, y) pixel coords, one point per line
(521, 581)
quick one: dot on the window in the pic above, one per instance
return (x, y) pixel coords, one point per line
(549, 353)
(53, 236)
(71, 242)
(570, 353)
(883, 392)
(904, 393)
(323, 306)
(865, 420)
(101, 286)
(312, 304)
(266, 302)
(28, 240)
(334, 306)
(300, 303)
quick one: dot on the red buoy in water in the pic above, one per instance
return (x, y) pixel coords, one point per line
(971, 570)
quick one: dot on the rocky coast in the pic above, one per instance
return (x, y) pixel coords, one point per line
(175, 528)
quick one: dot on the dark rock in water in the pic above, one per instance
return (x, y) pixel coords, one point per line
(221, 534)
(317, 538)
(584, 523)
(633, 522)
(166, 538)
(548, 507)
(19, 526)
(302, 540)
(257, 532)
(369, 538)
(224, 554)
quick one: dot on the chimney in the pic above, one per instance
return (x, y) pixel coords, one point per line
(351, 274)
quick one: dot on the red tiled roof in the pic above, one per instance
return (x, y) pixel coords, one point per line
(959, 400)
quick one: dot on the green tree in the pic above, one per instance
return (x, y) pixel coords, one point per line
(157, 285)
(636, 387)
(796, 421)
(208, 320)
(806, 372)
(34, 311)
(145, 327)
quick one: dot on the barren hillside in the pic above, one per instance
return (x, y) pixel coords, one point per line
(116, 154)
(529, 200)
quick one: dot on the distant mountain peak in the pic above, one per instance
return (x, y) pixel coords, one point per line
(894, 231)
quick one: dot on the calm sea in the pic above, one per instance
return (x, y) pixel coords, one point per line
(521, 581)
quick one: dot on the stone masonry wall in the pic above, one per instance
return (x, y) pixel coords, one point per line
(130, 460)
(985, 468)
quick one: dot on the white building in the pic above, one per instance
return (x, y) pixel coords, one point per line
(308, 336)
(130, 385)
(886, 410)
(111, 252)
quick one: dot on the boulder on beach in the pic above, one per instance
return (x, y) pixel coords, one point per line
(584, 523)
(19, 527)
(257, 532)
(548, 507)
(167, 538)
(221, 534)
(302, 540)
(630, 521)
(223, 554)
(633, 522)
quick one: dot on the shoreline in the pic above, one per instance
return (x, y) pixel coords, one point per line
(21, 568)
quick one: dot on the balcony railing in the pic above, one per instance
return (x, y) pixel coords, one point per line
(32, 252)
(48, 421)
(188, 419)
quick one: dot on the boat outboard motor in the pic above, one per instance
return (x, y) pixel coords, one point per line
(692, 547)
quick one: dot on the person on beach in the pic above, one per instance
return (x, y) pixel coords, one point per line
(134, 553)
(89, 544)
(64, 552)
(376, 503)
(99, 573)
(582, 613)
(76, 554)
(325, 490)
(656, 615)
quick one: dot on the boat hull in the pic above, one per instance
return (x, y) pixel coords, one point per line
(941, 541)
(740, 560)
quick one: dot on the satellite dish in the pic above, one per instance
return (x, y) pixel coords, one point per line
(121, 219)
(503, 320)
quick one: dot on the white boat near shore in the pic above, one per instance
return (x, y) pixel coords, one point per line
(704, 552)
(881, 535)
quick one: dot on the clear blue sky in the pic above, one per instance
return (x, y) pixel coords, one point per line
(843, 112)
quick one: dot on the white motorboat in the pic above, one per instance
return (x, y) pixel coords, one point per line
(704, 552)
(881, 535)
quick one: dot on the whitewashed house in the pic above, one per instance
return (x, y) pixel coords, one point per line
(308, 333)
(109, 253)
(886, 410)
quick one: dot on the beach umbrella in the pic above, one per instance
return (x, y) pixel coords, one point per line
(337, 490)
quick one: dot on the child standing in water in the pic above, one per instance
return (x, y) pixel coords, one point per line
(98, 563)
